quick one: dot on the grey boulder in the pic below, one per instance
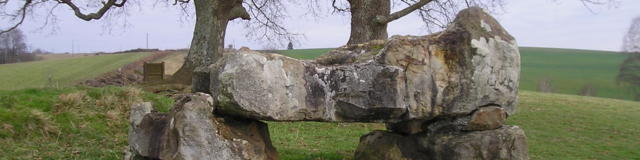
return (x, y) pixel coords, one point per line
(473, 63)
(506, 143)
(192, 131)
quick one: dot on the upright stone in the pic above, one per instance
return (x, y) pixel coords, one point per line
(192, 131)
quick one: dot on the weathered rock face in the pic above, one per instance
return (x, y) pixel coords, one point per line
(508, 142)
(191, 131)
(471, 64)
(484, 118)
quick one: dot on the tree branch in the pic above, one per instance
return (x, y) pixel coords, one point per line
(181, 1)
(336, 8)
(402, 13)
(238, 11)
(22, 14)
(266, 21)
(93, 16)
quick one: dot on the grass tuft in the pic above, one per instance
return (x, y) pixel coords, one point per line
(70, 123)
(70, 102)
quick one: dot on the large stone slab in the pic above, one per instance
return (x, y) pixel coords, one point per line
(471, 64)
(192, 131)
(508, 143)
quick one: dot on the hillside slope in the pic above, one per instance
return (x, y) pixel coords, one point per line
(570, 71)
(61, 72)
(563, 126)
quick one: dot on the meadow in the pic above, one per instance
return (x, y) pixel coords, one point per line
(91, 123)
(557, 126)
(61, 72)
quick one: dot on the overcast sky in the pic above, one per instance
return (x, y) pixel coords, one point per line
(539, 23)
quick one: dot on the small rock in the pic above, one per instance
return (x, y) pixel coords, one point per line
(407, 127)
(486, 118)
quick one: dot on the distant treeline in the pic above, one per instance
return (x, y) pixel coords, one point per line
(139, 50)
(13, 49)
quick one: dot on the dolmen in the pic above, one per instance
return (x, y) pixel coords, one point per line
(442, 96)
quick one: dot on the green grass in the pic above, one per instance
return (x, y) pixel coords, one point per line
(576, 127)
(558, 126)
(91, 123)
(63, 72)
(316, 140)
(568, 70)
(71, 123)
(571, 70)
(305, 53)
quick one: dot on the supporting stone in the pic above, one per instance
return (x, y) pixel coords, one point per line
(201, 81)
(192, 131)
(507, 142)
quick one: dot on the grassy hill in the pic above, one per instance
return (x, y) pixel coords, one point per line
(567, 70)
(91, 123)
(63, 72)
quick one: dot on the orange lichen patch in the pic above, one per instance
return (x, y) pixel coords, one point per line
(439, 54)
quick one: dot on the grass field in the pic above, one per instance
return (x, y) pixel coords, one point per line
(571, 70)
(305, 53)
(90, 123)
(63, 72)
(568, 70)
(558, 126)
(69, 123)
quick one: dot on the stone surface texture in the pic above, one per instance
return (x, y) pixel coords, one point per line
(508, 143)
(471, 64)
(443, 96)
(476, 90)
(192, 131)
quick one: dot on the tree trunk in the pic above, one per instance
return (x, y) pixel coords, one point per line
(207, 45)
(364, 26)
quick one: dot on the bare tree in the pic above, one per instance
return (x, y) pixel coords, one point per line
(212, 18)
(13, 48)
(631, 41)
(369, 18)
(629, 75)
